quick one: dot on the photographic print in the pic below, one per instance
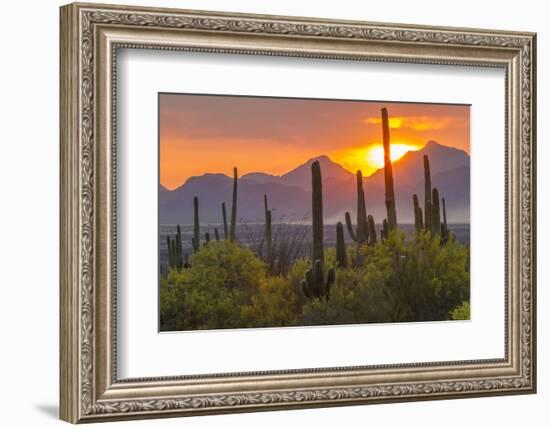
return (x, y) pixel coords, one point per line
(282, 212)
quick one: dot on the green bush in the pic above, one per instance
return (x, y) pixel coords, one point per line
(462, 312)
(213, 293)
(405, 278)
(274, 305)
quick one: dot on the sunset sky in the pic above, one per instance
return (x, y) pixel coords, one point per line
(211, 134)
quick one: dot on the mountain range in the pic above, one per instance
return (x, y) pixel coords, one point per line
(290, 194)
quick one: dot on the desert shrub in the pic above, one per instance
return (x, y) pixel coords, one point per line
(462, 312)
(405, 278)
(214, 292)
(358, 296)
(426, 279)
(274, 305)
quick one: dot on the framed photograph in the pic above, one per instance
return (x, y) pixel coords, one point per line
(264, 212)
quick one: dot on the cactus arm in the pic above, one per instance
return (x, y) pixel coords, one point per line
(349, 227)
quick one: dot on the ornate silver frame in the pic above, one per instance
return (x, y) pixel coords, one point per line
(90, 36)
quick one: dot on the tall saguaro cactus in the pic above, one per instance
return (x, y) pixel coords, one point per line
(388, 172)
(427, 194)
(341, 255)
(418, 225)
(444, 228)
(436, 216)
(224, 216)
(175, 250)
(314, 285)
(385, 232)
(362, 233)
(318, 252)
(232, 231)
(268, 234)
(372, 231)
(196, 240)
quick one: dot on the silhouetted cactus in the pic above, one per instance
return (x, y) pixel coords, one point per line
(216, 235)
(427, 194)
(233, 229)
(206, 238)
(444, 228)
(436, 216)
(362, 233)
(224, 216)
(314, 285)
(318, 251)
(388, 172)
(385, 229)
(417, 214)
(175, 250)
(268, 232)
(186, 261)
(196, 239)
(341, 255)
(428, 216)
(372, 231)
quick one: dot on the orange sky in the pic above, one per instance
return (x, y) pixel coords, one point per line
(211, 134)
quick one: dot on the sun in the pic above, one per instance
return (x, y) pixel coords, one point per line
(374, 156)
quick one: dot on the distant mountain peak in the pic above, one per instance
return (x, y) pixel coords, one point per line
(321, 159)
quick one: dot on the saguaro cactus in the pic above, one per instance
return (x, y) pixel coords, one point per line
(388, 172)
(314, 285)
(341, 255)
(224, 216)
(418, 226)
(216, 235)
(372, 231)
(385, 229)
(186, 261)
(268, 234)
(362, 233)
(196, 240)
(318, 252)
(175, 250)
(232, 231)
(436, 216)
(444, 228)
(427, 194)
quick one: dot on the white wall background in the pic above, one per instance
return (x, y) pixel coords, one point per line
(29, 170)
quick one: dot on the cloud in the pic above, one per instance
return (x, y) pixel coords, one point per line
(418, 123)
